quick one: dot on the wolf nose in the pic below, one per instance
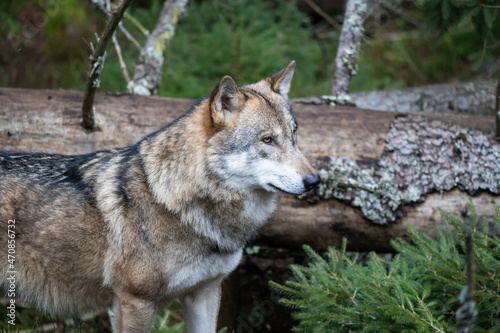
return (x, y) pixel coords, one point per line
(310, 181)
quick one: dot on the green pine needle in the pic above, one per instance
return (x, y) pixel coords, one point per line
(416, 291)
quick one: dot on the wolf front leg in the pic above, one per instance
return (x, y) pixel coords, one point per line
(132, 314)
(201, 308)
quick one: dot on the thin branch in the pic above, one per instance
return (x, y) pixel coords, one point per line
(120, 59)
(127, 34)
(323, 14)
(391, 6)
(137, 24)
(118, 49)
(90, 45)
(96, 65)
(147, 73)
(411, 63)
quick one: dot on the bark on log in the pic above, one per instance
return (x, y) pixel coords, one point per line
(462, 98)
(467, 98)
(50, 121)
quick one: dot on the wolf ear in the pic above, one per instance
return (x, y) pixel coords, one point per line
(225, 101)
(281, 81)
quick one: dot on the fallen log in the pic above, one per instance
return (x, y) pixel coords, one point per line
(472, 98)
(357, 140)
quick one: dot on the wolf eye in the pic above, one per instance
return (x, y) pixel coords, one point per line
(267, 139)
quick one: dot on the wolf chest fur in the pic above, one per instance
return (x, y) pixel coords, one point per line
(132, 229)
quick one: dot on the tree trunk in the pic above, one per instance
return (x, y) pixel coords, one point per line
(147, 73)
(352, 146)
(346, 61)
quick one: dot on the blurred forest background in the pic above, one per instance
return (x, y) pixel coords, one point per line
(405, 44)
(45, 44)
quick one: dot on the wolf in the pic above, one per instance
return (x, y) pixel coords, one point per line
(132, 229)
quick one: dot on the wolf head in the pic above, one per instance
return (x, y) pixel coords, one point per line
(254, 144)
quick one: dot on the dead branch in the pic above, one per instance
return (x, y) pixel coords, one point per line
(393, 7)
(323, 14)
(129, 36)
(138, 24)
(107, 10)
(118, 50)
(123, 66)
(97, 59)
(125, 32)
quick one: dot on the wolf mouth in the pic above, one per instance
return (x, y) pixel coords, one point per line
(281, 190)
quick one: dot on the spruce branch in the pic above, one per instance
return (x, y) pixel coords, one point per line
(415, 291)
(97, 59)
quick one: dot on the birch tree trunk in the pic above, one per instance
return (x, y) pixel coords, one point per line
(147, 73)
(346, 61)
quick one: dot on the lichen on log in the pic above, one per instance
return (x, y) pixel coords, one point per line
(420, 157)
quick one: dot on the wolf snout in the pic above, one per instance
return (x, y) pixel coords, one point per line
(310, 181)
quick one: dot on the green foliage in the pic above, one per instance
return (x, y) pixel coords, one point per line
(483, 15)
(252, 39)
(36, 321)
(417, 291)
(29, 319)
(245, 39)
(65, 26)
(161, 324)
(449, 13)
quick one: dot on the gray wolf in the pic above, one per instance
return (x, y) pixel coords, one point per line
(132, 229)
